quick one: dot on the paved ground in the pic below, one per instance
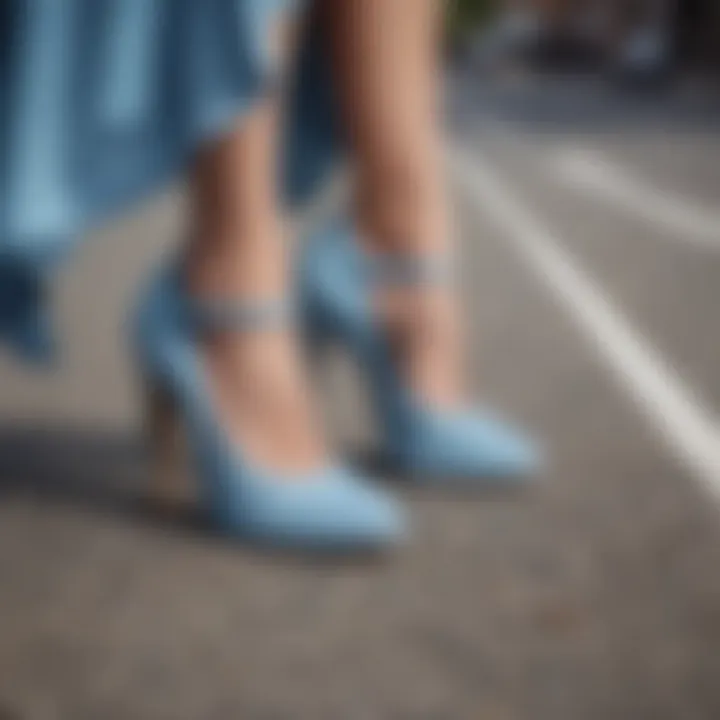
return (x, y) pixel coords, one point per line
(592, 268)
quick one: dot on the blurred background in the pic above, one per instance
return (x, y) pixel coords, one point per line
(633, 39)
(584, 161)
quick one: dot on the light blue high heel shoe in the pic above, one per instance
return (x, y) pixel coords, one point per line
(328, 509)
(462, 445)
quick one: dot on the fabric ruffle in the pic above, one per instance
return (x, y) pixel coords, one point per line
(103, 101)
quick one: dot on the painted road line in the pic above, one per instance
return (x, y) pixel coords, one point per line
(679, 218)
(689, 429)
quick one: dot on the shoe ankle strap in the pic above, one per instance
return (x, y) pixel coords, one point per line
(410, 269)
(215, 315)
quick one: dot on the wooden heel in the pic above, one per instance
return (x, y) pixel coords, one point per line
(171, 487)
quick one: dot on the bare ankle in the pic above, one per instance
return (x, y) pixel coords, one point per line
(408, 221)
(226, 264)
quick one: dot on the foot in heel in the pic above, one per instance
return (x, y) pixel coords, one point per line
(307, 501)
(424, 437)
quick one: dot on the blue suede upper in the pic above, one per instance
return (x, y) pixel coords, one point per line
(466, 444)
(329, 508)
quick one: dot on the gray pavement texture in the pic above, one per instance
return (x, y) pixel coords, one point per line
(595, 595)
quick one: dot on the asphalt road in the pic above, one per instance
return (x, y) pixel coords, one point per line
(591, 265)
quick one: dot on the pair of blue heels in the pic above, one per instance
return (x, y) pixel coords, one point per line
(333, 508)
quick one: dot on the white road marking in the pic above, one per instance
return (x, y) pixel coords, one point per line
(690, 431)
(680, 218)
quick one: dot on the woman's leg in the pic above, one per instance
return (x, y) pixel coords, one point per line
(237, 252)
(386, 53)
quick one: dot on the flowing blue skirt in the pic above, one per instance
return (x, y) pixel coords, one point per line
(103, 101)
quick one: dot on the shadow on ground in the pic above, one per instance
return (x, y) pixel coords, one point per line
(99, 469)
(106, 472)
